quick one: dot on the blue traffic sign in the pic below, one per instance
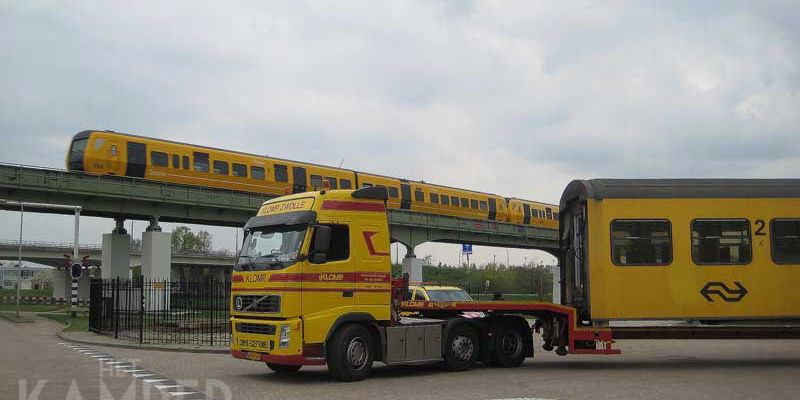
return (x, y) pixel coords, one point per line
(76, 270)
(466, 248)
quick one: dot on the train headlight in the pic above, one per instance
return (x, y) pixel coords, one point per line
(285, 333)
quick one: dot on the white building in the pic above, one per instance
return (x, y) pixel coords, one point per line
(9, 275)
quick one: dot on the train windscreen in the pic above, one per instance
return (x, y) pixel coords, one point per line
(76, 152)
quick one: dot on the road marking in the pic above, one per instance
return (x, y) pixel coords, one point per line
(142, 375)
(162, 387)
(154, 380)
(181, 393)
(524, 398)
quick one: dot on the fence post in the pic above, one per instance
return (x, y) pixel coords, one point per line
(115, 307)
(141, 310)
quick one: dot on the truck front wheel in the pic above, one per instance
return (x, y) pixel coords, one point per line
(350, 353)
(283, 369)
(462, 348)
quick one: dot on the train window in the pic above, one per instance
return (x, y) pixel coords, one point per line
(464, 202)
(641, 242)
(484, 206)
(331, 182)
(555, 216)
(785, 241)
(445, 200)
(316, 181)
(257, 172)
(434, 198)
(549, 213)
(365, 184)
(473, 203)
(393, 192)
(221, 167)
(185, 162)
(721, 241)
(419, 195)
(345, 184)
(201, 162)
(176, 161)
(281, 173)
(159, 159)
(239, 170)
(454, 201)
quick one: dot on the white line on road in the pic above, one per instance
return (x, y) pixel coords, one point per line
(154, 380)
(142, 375)
(162, 387)
(181, 393)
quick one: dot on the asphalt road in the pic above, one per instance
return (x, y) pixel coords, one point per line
(647, 369)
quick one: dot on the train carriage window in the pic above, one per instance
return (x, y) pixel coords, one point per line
(345, 184)
(785, 241)
(159, 159)
(257, 172)
(484, 206)
(281, 173)
(239, 170)
(473, 203)
(464, 202)
(331, 182)
(201, 162)
(549, 213)
(555, 216)
(419, 195)
(221, 167)
(454, 201)
(641, 242)
(185, 162)
(176, 161)
(445, 200)
(316, 181)
(393, 192)
(721, 241)
(434, 198)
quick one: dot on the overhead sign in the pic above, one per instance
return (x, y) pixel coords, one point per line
(285, 206)
(76, 270)
(466, 248)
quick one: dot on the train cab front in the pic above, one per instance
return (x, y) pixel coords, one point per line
(77, 151)
(266, 285)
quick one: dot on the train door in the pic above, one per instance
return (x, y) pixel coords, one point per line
(137, 159)
(573, 258)
(405, 196)
(298, 179)
(526, 212)
(492, 209)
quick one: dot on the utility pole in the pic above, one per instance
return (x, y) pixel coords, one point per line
(19, 255)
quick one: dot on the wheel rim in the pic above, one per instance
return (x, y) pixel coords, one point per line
(511, 344)
(357, 353)
(463, 347)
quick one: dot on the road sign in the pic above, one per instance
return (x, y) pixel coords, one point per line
(466, 248)
(76, 270)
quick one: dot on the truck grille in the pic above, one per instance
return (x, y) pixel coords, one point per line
(243, 327)
(270, 303)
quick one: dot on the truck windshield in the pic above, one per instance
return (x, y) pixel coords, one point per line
(448, 295)
(273, 247)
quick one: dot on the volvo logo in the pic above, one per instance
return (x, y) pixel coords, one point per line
(238, 303)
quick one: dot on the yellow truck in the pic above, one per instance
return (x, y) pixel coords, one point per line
(312, 286)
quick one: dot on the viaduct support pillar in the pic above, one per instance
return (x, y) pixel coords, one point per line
(556, 270)
(116, 257)
(61, 284)
(156, 253)
(412, 266)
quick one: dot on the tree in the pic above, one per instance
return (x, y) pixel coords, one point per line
(186, 241)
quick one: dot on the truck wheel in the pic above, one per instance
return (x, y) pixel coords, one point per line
(350, 353)
(284, 369)
(509, 346)
(461, 348)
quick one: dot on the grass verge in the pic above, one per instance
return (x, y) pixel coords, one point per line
(31, 307)
(79, 323)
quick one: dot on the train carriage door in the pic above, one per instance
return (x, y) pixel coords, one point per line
(526, 212)
(405, 196)
(298, 179)
(137, 159)
(492, 209)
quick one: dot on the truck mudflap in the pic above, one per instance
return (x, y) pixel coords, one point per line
(294, 359)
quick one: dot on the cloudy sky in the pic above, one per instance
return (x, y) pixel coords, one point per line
(515, 98)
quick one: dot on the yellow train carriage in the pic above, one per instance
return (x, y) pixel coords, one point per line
(681, 249)
(436, 199)
(113, 153)
(532, 213)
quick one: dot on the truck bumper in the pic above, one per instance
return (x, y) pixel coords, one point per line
(272, 341)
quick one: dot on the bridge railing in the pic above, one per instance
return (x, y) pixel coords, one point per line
(44, 245)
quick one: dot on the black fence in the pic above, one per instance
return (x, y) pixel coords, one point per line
(192, 312)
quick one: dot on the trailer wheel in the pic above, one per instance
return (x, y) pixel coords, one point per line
(461, 348)
(284, 369)
(509, 346)
(350, 353)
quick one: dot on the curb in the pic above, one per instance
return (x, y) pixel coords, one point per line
(63, 336)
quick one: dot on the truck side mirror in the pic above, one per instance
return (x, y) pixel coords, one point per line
(322, 243)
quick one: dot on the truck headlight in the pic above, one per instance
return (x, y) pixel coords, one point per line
(284, 340)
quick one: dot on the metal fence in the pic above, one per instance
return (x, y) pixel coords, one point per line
(192, 312)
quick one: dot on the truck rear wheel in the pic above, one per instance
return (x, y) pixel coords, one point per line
(461, 348)
(509, 346)
(284, 369)
(350, 353)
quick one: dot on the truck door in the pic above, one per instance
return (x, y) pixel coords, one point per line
(298, 179)
(573, 258)
(137, 159)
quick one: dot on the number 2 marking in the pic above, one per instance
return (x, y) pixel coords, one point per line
(760, 227)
